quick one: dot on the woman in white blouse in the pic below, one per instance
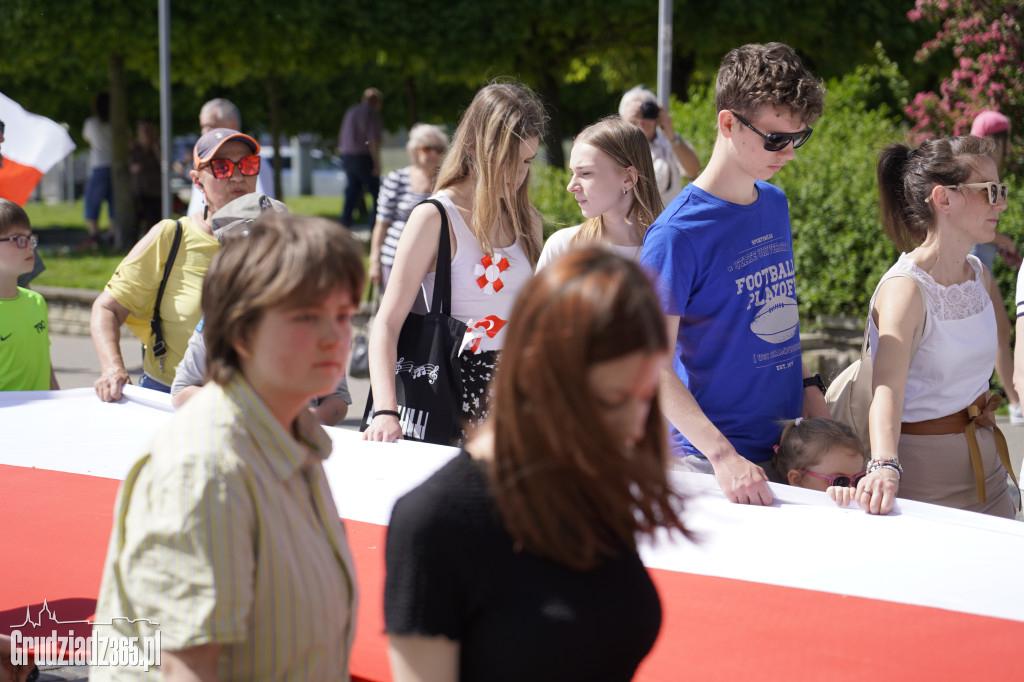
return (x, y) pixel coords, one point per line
(933, 436)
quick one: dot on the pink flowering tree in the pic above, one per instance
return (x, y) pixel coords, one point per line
(988, 44)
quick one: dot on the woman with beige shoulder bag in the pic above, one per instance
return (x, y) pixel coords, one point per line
(931, 422)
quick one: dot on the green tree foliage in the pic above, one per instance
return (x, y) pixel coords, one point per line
(549, 194)
(297, 66)
(831, 37)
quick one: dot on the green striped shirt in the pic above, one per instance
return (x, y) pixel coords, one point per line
(227, 533)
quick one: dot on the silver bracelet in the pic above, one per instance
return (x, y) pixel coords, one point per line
(893, 464)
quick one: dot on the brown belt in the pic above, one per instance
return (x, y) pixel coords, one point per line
(979, 413)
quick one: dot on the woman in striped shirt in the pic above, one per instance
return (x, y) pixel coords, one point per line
(400, 191)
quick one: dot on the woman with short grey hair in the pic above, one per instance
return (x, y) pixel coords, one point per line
(400, 191)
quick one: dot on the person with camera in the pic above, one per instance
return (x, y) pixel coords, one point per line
(673, 156)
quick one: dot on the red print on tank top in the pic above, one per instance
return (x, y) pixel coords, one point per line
(489, 273)
(485, 326)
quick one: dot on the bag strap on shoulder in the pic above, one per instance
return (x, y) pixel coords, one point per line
(155, 324)
(442, 295)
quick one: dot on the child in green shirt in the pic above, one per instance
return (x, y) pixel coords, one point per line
(24, 333)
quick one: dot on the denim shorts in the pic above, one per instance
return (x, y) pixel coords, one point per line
(146, 381)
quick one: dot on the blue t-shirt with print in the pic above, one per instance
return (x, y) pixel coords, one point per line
(727, 271)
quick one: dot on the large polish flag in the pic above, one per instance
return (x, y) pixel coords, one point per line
(799, 591)
(32, 146)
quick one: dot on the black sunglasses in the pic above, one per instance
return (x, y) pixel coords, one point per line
(775, 142)
(841, 480)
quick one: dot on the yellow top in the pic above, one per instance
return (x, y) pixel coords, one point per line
(135, 283)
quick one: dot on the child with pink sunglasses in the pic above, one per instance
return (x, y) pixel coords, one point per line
(821, 454)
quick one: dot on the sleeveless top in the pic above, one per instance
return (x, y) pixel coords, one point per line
(484, 287)
(957, 352)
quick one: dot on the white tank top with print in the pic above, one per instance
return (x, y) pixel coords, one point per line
(484, 287)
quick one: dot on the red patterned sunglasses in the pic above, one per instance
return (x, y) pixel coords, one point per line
(225, 168)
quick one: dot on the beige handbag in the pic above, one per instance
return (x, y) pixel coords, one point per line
(849, 395)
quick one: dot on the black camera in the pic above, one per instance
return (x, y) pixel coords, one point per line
(650, 109)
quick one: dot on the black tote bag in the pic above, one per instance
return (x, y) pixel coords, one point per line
(428, 375)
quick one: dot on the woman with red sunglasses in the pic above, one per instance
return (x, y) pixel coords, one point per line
(934, 340)
(227, 163)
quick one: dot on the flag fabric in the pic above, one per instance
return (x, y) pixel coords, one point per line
(32, 145)
(798, 591)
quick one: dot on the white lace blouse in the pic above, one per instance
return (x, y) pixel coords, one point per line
(957, 353)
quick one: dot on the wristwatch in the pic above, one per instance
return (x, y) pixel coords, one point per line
(815, 380)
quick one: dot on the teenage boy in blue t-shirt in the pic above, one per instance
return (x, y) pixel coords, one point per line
(723, 253)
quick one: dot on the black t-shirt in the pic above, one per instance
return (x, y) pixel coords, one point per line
(452, 571)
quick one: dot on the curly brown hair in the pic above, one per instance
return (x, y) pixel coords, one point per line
(755, 75)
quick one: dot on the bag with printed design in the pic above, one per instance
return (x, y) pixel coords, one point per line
(428, 375)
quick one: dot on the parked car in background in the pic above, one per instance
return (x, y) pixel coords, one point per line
(323, 175)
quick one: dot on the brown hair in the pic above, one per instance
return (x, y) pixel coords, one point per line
(283, 260)
(753, 76)
(12, 216)
(906, 177)
(564, 488)
(626, 145)
(804, 441)
(486, 149)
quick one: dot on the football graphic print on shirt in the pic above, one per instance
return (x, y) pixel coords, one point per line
(771, 290)
(777, 320)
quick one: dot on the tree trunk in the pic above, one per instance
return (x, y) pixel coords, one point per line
(124, 221)
(551, 95)
(274, 110)
(412, 104)
(682, 70)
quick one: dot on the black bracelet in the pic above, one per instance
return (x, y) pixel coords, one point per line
(377, 413)
(815, 380)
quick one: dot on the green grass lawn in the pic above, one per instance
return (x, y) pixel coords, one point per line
(78, 270)
(91, 269)
(71, 214)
